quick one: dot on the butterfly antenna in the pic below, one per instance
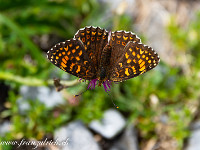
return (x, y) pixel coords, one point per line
(80, 93)
(112, 101)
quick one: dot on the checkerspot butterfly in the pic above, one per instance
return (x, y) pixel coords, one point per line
(97, 55)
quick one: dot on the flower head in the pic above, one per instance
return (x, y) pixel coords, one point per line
(92, 84)
(106, 84)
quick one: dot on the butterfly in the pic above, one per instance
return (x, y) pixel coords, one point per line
(103, 57)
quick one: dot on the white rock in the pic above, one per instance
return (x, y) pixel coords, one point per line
(128, 140)
(78, 137)
(50, 97)
(194, 139)
(5, 127)
(111, 124)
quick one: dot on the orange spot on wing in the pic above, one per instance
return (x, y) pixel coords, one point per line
(73, 51)
(63, 60)
(126, 72)
(87, 72)
(142, 64)
(63, 65)
(141, 51)
(85, 62)
(80, 53)
(133, 68)
(66, 58)
(77, 58)
(62, 68)
(125, 38)
(128, 61)
(83, 39)
(72, 57)
(142, 68)
(66, 49)
(140, 61)
(93, 33)
(71, 66)
(143, 71)
(79, 69)
(123, 43)
(126, 55)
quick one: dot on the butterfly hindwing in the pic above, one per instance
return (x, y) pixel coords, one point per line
(136, 60)
(71, 57)
(94, 40)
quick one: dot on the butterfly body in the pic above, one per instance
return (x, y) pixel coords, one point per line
(103, 70)
(94, 54)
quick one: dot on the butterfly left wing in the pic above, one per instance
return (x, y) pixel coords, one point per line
(118, 41)
(136, 60)
(94, 40)
(71, 57)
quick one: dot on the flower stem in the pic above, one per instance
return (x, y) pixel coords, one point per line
(31, 81)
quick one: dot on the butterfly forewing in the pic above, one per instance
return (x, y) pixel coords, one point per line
(71, 57)
(94, 40)
(136, 60)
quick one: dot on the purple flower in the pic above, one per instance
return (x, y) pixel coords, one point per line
(92, 83)
(106, 84)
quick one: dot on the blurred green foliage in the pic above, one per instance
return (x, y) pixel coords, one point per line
(22, 26)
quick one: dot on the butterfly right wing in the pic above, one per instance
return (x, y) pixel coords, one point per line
(71, 57)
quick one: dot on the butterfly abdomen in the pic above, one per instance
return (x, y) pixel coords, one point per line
(104, 63)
